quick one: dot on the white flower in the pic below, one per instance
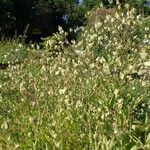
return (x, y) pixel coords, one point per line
(57, 72)
(146, 41)
(98, 25)
(4, 126)
(147, 64)
(61, 31)
(138, 17)
(117, 15)
(92, 65)
(143, 55)
(146, 28)
(102, 60)
(20, 45)
(131, 67)
(106, 69)
(93, 37)
(116, 92)
(108, 17)
(77, 51)
(62, 91)
(122, 76)
(43, 68)
(127, 6)
(123, 20)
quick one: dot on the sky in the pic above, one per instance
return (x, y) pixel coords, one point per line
(80, 2)
(148, 3)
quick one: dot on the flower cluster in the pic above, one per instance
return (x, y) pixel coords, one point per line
(56, 43)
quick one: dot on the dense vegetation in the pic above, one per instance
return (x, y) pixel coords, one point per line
(89, 93)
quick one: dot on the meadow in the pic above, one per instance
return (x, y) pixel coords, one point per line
(92, 93)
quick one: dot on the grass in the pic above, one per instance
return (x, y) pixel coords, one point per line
(86, 97)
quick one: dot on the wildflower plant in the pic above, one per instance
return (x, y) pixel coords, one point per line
(120, 40)
(95, 96)
(56, 43)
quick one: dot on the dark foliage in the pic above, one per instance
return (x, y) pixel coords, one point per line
(33, 19)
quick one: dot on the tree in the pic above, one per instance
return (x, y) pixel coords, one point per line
(39, 18)
(6, 19)
(22, 13)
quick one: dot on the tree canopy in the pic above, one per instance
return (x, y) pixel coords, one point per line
(40, 18)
